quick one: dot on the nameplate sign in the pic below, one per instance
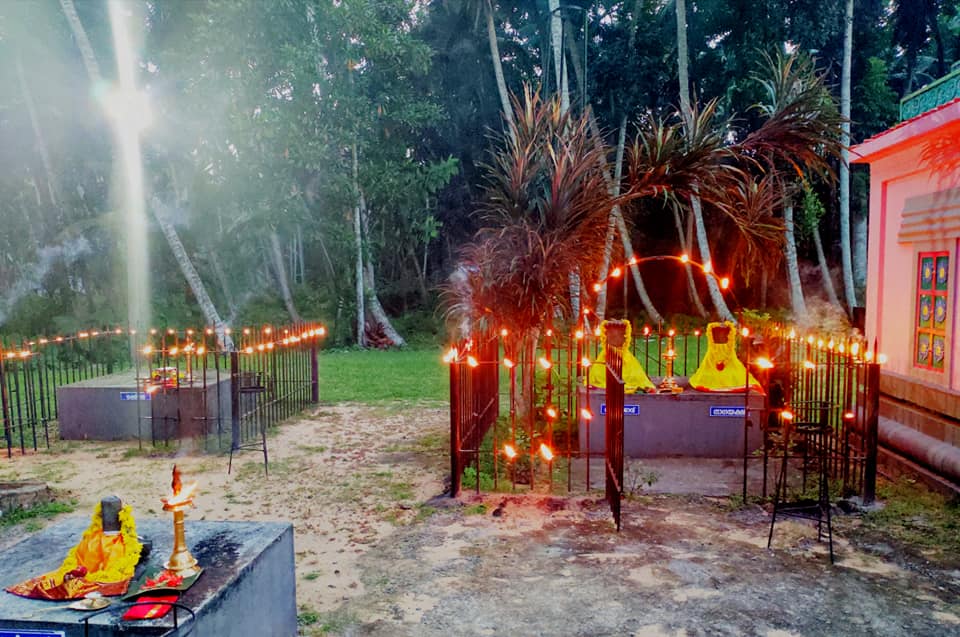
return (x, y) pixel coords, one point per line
(628, 410)
(6, 632)
(126, 395)
(727, 412)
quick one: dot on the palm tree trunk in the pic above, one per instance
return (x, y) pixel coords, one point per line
(691, 284)
(498, 66)
(37, 131)
(218, 271)
(824, 270)
(793, 269)
(860, 252)
(846, 262)
(210, 314)
(704, 246)
(556, 44)
(280, 272)
(615, 213)
(611, 220)
(358, 244)
(83, 42)
(376, 310)
(687, 113)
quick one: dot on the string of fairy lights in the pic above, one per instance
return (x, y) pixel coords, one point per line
(180, 342)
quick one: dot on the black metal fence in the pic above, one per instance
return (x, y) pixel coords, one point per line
(536, 440)
(181, 384)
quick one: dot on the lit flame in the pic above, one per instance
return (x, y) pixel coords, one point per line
(579, 334)
(472, 361)
(841, 348)
(504, 332)
(830, 344)
(745, 332)
(586, 414)
(24, 354)
(597, 287)
(508, 363)
(83, 334)
(509, 451)
(809, 365)
(671, 332)
(450, 356)
(633, 260)
(764, 363)
(185, 495)
(725, 283)
(148, 350)
(819, 343)
(585, 362)
(671, 353)
(551, 412)
(616, 272)
(546, 452)
(322, 331)
(684, 258)
(586, 311)
(868, 356)
(881, 358)
(549, 332)
(646, 330)
(848, 415)
(810, 339)
(544, 363)
(201, 351)
(249, 349)
(855, 349)
(793, 334)
(786, 414)
(174, 351)
(696, 332)
(596, 332)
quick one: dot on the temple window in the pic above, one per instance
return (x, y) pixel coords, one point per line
(930, 342)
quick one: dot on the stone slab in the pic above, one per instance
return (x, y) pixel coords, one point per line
(689, 424)
(110, 408)
(247, 589)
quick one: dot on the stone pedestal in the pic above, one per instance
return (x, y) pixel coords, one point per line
(247, 589)
(111, 408)
(689, 424)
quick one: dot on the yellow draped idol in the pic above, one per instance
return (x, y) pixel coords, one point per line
(634, 378)
(721, 370)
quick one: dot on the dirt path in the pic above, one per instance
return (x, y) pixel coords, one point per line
(378, 553)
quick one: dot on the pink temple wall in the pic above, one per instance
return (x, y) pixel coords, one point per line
(898, 171)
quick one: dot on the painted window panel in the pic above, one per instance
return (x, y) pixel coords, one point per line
(932, 307)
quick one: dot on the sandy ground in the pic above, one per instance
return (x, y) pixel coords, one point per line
(380, 552)
(345, 476)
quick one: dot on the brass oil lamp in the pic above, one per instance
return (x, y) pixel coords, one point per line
(181, 561)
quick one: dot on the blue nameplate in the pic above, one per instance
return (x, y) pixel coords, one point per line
(125, 395)
(628, 410)
(727, 412)
(6, 632)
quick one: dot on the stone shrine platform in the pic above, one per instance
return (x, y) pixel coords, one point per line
(689, 424)
(247, 588)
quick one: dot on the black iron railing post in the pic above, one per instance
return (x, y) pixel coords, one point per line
(314, 375)
(871, 431)
(455, 471)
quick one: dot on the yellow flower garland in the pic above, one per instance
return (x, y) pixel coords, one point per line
(118, 569)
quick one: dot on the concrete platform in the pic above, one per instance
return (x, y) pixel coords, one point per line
(689, 424)
(247, 589)
(111, 408)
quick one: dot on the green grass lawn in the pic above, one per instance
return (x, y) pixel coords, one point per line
(378, 376)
